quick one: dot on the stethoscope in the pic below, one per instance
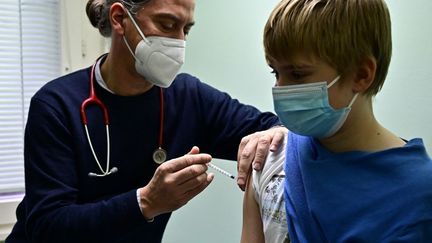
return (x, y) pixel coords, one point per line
(159, 155)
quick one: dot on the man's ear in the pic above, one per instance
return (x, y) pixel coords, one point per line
(117, 16)
(364, 74)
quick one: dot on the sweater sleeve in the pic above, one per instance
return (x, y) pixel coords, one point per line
(417, 232)
(227, 121)
(53, 210)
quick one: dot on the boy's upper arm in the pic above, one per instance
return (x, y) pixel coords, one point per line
(252, 231)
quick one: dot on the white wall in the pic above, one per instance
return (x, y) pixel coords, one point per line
(404, 105)
(81, 42)
(7, 215)
(225, 50)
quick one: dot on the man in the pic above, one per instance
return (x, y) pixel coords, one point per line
(152, 114)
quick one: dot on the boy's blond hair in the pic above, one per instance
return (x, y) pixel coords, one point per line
(340, 32)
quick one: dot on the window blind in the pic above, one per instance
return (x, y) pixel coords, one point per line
(29, 57)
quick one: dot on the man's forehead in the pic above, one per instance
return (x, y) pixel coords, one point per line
(175, 9)
(184, 5)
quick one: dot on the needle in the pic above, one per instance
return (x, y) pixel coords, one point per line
(221, 170)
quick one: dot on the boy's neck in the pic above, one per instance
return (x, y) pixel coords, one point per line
(362, 132)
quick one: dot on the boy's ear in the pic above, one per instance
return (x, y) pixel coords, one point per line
(364, 75)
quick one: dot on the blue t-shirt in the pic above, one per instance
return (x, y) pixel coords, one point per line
(358, 196)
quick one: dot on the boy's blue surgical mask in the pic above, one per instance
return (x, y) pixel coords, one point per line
(305, 110)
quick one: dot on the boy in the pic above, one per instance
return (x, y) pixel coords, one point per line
(348, 178)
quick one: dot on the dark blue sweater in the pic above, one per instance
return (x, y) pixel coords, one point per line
(63, 204)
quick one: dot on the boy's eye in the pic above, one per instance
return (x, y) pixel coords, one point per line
(296, 75)
(275, 73)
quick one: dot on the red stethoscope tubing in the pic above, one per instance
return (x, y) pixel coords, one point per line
(94, 100)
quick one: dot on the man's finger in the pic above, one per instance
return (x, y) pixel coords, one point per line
(245, 161)
(242, 145)
(192, 193)
(180, 163)
(193, 183)
(189, 173)
(194, 150)
(278, 139)
(261, 152)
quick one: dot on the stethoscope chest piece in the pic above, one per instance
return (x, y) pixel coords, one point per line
(159, 156)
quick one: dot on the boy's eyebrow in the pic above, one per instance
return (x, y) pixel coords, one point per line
(288, 65)
(292, 66)
(296, 66)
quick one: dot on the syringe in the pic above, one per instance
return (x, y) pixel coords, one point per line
(221, 170)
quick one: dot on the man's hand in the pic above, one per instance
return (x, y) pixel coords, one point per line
(174, 183)
(253, 151)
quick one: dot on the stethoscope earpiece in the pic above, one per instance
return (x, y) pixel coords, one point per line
(112, 171)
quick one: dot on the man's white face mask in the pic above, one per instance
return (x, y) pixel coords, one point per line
(157, 59)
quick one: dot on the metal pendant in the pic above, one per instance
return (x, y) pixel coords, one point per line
(159, 156)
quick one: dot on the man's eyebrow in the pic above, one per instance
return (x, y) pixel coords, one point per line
(174, 18)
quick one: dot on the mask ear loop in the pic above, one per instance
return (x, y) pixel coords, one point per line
(139, 31)
(130, 49)
(352, 100)
(333, 82)
(137, 27)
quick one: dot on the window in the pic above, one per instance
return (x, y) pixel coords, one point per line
(29, 57)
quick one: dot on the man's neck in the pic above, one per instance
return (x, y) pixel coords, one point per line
(121, 77)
